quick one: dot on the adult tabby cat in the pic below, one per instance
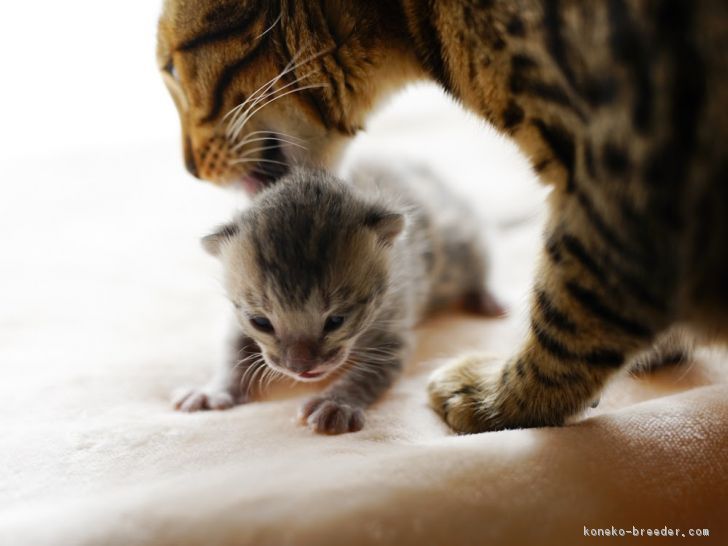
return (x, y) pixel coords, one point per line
(620, 104)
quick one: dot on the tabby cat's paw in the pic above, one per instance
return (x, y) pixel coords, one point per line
(465, 394)
(327, 416)
(198, 399)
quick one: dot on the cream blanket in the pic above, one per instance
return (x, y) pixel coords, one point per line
(107, 305)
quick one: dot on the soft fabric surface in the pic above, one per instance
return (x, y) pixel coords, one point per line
(107, 304)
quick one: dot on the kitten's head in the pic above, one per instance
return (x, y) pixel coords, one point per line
(307, 268)
(261, 85)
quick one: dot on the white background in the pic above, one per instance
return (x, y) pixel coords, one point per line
(80, 74)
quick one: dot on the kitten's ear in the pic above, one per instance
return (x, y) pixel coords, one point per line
(387, 225)
(212, 243)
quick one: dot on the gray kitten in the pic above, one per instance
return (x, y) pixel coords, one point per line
(329, 279)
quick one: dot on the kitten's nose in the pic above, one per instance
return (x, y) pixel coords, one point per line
(301, 356)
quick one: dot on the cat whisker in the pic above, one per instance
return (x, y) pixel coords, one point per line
(248, 116)
(266, 31)
(271, 132)
(273, 138)
(261, 381)
(248, 348)
(262, 91)
(291, 65)
(293, 58)
(240, 161)
(245, 360)
(375, 351)
(242, 116)
(362, 370)
(253, 151)
(250, 371)
(254, 377)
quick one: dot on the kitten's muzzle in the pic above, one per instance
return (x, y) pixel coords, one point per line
(301, 356)
(304, 359)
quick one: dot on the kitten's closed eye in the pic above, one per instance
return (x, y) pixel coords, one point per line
(262, 324)
(333, 323)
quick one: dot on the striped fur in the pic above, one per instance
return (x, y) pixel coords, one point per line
(620, 104)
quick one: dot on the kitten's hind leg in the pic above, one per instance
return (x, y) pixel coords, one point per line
(373, 367)
(474, 265)
(229, 385)
(483, 302)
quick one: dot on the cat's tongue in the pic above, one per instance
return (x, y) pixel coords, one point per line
(310, 375)
(251, 184)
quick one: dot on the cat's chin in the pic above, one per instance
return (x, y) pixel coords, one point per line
(273, 165)
(306, 377)
(317, 374)
(311, 376)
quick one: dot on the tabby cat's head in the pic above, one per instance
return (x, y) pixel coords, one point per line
(264, 84)
(307, 268)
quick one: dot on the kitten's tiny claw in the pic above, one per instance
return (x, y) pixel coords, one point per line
(327, 416)
(190, 400)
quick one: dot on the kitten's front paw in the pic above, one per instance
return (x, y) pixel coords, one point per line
(465, 393)
(205, 398)
(327, 416)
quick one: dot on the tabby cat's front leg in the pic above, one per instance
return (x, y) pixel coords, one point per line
(584, 327)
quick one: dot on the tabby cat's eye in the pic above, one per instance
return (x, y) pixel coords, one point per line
(332, 323)
(172, 70)
(262, 324)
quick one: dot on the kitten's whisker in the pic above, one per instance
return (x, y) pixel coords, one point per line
(276, 375)
(247, 349)
(362, 366)
(244, 361)
(266, 379)
(377, 352)
(251, 368)
(261, 380)
(244, 378)
(254, 378)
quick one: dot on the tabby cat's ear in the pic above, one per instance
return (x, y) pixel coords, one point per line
(213, 242)
(387, 225)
